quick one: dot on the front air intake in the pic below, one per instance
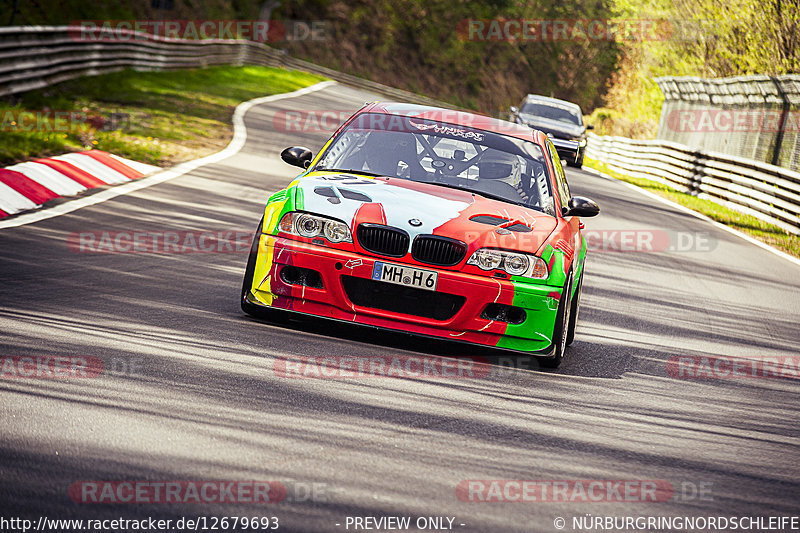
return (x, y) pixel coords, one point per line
(400, 299)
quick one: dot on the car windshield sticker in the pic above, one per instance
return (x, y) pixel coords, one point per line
(448, 130)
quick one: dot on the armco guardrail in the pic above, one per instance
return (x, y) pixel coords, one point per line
(766, 191)
(757, 117)
(32, 57)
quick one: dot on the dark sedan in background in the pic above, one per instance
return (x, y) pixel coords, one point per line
(562, 121)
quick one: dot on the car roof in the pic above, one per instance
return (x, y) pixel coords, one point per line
(548, 100)
(459, 118)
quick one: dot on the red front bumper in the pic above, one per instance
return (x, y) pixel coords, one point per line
(333, 301)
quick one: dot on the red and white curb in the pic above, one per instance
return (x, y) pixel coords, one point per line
(236, 144)
(27, 186)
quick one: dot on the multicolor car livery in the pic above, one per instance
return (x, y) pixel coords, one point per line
(428, 221)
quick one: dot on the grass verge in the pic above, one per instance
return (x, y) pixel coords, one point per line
(755, 227)
(162, 118)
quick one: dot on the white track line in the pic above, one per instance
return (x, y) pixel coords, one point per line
(236, 144)
(701, 216)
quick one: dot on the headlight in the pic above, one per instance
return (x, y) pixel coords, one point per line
(312, 226)
(308, 226)
(486, 259)
(516, 265)
(337, 232)
(513, 263)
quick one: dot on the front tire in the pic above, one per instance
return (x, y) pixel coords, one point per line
(578, 163)
(561, 328)
(573, 316)
(247, 282)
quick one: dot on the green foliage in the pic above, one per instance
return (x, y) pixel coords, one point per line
(742, 36)
(419, 45)
(706, 38)
(170, 116)
(424, 45)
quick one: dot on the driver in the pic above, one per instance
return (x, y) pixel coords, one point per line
(504, 163)
(377, 157)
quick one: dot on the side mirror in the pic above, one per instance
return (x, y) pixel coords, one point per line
(297, 156)
(514, 110)
(590, 126)
(582, 207)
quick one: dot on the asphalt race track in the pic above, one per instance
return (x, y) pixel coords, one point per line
(189, 391)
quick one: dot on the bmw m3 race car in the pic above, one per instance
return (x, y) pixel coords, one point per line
(428, 221)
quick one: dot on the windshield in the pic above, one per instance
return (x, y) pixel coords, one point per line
(554, 112)
(486, 163)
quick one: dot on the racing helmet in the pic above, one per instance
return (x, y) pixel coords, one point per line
(380, 154)
(500, 166)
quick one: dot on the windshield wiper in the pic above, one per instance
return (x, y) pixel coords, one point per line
(473, 191)
(352, 171)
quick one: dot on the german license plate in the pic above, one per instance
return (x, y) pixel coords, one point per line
(405, 275)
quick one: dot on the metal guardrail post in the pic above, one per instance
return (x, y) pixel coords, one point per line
(776, 151)
(698, 171)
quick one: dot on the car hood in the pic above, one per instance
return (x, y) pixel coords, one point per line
(556, 127)
(424, 208)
